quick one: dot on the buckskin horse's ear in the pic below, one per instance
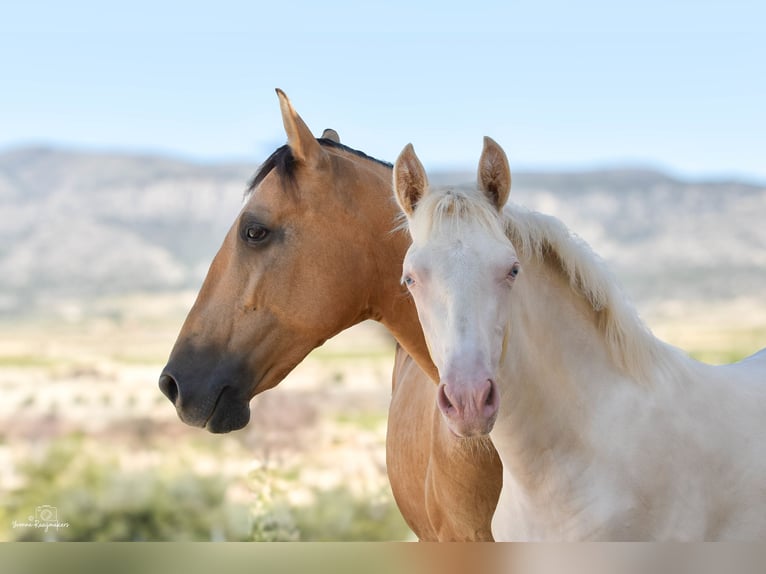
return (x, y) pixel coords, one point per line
(330, 134)
(410, 181)
(302, 143)
(494, 173)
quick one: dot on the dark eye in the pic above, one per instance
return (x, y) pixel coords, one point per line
(408, 280)
(514, 272)
(255, 233)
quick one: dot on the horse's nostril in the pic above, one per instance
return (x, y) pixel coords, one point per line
(490, 395)
(443, 399)
(169, 387)
(491, 400)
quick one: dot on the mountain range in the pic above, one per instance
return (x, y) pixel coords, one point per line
(80, 225)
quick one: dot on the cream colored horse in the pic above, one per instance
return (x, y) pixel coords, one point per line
(604, 432)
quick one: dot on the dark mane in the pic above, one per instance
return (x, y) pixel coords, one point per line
(283, 161)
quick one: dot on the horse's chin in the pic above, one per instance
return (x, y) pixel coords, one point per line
(231, 413)
(471, 432)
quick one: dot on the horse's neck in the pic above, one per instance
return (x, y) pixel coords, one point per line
(391, 305)
(556, 370)
(589, 451)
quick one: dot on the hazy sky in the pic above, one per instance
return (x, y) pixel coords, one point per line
(559, 83)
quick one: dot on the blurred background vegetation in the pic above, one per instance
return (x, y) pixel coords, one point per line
(84, 430)
(86, 434)
(97, 499)
(89, 311)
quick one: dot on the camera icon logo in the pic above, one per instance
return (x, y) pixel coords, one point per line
(46, 513)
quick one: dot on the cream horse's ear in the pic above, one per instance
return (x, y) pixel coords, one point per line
(494, 175)
(302, 143)
(330, 134)
(410, 181)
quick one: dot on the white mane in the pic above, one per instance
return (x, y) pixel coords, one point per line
(598, 438)
(546, 239)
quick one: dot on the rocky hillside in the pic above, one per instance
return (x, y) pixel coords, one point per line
(81, 225)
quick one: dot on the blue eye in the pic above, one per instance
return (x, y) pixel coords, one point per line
(408, 280)
(514, 272)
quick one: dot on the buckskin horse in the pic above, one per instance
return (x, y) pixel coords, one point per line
(311, 253)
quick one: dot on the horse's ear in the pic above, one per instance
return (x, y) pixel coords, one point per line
(332, 135)
(494, 173)
(302, 143)
(410, 181)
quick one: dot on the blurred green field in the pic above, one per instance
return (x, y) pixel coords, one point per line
(85, 433)
(720, 333)
(84, 430)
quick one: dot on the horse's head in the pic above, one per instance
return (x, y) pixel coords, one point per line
(297, 266)
(459, 270)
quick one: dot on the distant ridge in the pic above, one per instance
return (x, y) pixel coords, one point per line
(79, 224)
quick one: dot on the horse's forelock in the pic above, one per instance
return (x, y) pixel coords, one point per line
(446, 211)
(282, 161)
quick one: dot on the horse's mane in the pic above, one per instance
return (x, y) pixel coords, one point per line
(544, 238)
(283, 163)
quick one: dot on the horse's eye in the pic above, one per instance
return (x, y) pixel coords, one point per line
(514, 272)
(408, 280)
(255, 233)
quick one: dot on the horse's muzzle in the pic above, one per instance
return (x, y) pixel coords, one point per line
(469, 408)
(215, 404)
